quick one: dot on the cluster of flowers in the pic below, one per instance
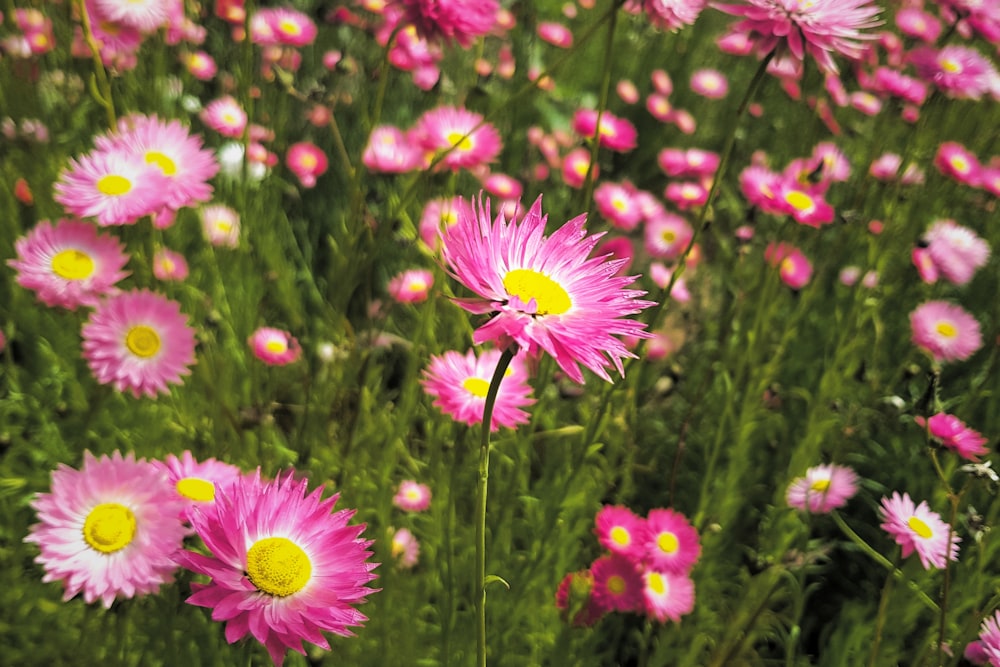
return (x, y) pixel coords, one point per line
(281, 564)
(411, 496)
(646, 571)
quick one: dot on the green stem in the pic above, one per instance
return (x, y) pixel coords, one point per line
(883, 603)
(102, 86)
(602, 105)
(484, 472)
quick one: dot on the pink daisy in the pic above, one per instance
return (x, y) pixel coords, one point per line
(805, 203)
(411, 286)
(446, 21)
(283, 566)
(307, 162)
(225, 116)
(618, 204)
(438, 215)
(618, 585)
(686, 195)
(667, 595)
(169, 265)
(469, 140)
(793, 266)
(284, 25)
(575, 166)
(987, 647)
(274, 347)
(955, 160)
(956, 251)
(672, 542)
(823, 489)
(953, 434)
(817, 28)
(459, 384)
(760, 187)
(200, 65)
(68, 264)
(143, 15)
(110, 529)
(690, 163)
(957, 71)
(667, 236)
(115, 187)
(545, 291)
(405, 548)
(555, 34)
(918, 528)
(412, 496)
(622, 532)
(503, 186)
(390, 151)
(709, 83)
(618, 134)
(138, 341)
(221, 225)
(670, 15)
(915, 22)
(945, 330)
(197, 482)
(575, 600)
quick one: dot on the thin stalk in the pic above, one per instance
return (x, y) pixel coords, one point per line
(883, 603)
(102, 85)
(602, 105)
(481, 486)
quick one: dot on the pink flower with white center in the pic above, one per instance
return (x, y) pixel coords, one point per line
(438, 215)
(627, 91)
(669, 15)
(274, 347)
(659, 107)
(412, 496)
(459, 384)
(957, 71)
(139, 342)
(667, 236)
(667, 595)
(804, 203)
(866, 103)
(221, 225)
(575, 166)
(448, 21)
(955, 160)
(546, 293)
(555, 34)
(143, 15)
(282, 565)
(672, 543)
(503, 186)
(200, 65)
(618, 204)
(794, 267)
(225, 116)
(886, 166)
(405, 548)
(390, 151)
(411, 286)
(952, 433)
(618, 585)
(282, 25)
(834, 165)
(109, 530)
(918, 528)
(307, 162)
(822, 489)
(816, 27)
(68, 264)
(915, 22)
(709, 83)
(169, 265)
(467, 138)
(989, 180)
(197, 482)
(114, 187)
(956, 251)
(945, 330)
(622, 532)
(686, 195)
(618, 134)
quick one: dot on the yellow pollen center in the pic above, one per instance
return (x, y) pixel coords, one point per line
(668, 236)
(229, 118)
(950, 66)
(820, 485)
(417, 285)
(946, 329)
(109, 527)
(920, 528)
(607, 131)
(656, 583)
(113, 185)
(165, 164)
(619, 204)
(799, 200)
(223, 226)
(449, 217)
(616, 584)
(290, 27)
(307, 161)
(620, 536)
(167, 265)
(275, 346)
(960, 163)
(73, 265)
(142, 341)
(278, 566)
(397, 548)
(459, 140)
(476, 386)
(195, 488)
(667, 542)
(528, 284)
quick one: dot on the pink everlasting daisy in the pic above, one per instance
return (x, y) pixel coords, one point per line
(272, 26)
(671, 15)
(575, 599)
(307, 162)
(618, 204)
(221, 225)
(68, 264)
(138, 341)
(575, 166)
(672, 542)
(197, 482)
(945, 330)
(412, 496)
(283, 566)
(390, 151)
(143, 15)
(956, 251)
(918, 528)
(546, 292)
(618, 134)
(622, 532)
(823, 489)
(953, 434)
(957, 71)
(405, 548)
(794, 267)
(469, 141)
(986, 650)
(667, 595)
(438, 215)
(618, 585)
(169, 265)
(805, 203)
(225, 116)
(274, 347)
(110, 529)
(459, 384)
(446, 21)
(709, 83)
(411, 286)
(115, 187)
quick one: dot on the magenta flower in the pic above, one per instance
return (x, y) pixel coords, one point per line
(275, 26)
(412, 496)
(555, 34)
(197, 482)
(390, 151)
(805, 203)
(307, 162)
(986, 650)
(915, 22)
(618, 585)
(794, 267)
(945, 330)
(709, 83)
(469, 140)
(405, 548)
(546, 292)
(918, 528)
(671, 15)
(108, 530)
(823, 489)
(671, 542)
(667, 595)
(274, 347)
(958, 71)
(169, 265)
(622, 532)
(575, 166)
(618, 203)
(411, 286)
(618, 134)
(575, 600)
(956, 251)
(225, 116)
(955, 160)
(283, 566)
(115, 187)
(953, 434)
(446, 21)
(438, 215)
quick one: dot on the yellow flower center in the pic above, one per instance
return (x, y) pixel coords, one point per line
(656, 583)
(142, 341)
(920, 528)
(417, 285)
(820, 485)
(528, 284)
(959, 163)
(946, 329)
(476, 386)
(109, 527)
(278, 566)
(275, 346)
(397, 548)
(667, 542)
(165, 164)
(167, 265)
(223, 227)
(73, 265)
(620, 536)
(114, 185)
(459, 140)
(950, 66)
(616, 584)
(619, 204)
(799, 200)
(308, 161)
(195, 488)
(449, 217)
(668, 236)
(290, 27)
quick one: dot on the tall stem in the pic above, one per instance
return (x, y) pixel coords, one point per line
(484, 473)
(602, 105)
(101, 88)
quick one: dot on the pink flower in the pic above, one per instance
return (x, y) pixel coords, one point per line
(709, 83)
(955, 160)
(225, 116)
(760, 187)
(618, 134)
(794, 267)
(618, 585)
(957, 71)
(274, 347)
(555, 34)
(282, 566)
(438, 215)
(459, 384)
(575, 166)
(945, 331)
(503, 186)
(405, 548)
(619, 247)
(667, 595)
(169, 265)
(445, 21)
(272, 26)
(823, 489)
(955, 251)
(618, 204)
(914, 22)
(690, 163)
(115, 187)
(197, 482)
(987, 649)
(221, 225)
(411, 286)
(899, 85)
(390, 151)
(307, 162)
(200, 65)
(671, 542)
(686, 195)
(138, 341)
(805, 203)
(109, 530)
(953, 434)
(667, 236)
(622, 532)
(464, 138)
(575, 600)
(919, 529)
(412, 496)
(143, 15)
(670, 15)
(68, 264)
(546, 293)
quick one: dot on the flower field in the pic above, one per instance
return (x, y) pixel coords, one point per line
(461, 332)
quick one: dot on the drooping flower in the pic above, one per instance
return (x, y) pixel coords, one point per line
(622, 532)
(283, 566)
(469, 141)
(109, 530)
(445, 21)
(197, 482)
(68, 264)
(956, 251)
(918, 528)
(114, 187)
(274, 347)
(412, 496)
(459, 384)
(405, 548)
(411, 286)
(953, 434)
(667, 595)
(138, 341)
(822, 489)
(618, 585)
(672, 542)
(945, 330)
(546, 292)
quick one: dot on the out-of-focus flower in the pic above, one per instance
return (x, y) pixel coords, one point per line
(945, 330)
(412, 496)
(822, 489)
(405, 548)
(468, 140)
(274, 347)
(794, 267)
(307, 162)
(953, 434)
(411, 286)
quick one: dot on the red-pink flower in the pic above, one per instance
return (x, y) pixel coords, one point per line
(945, 330)
(955, 160)
(274, 347)
(617, 202)
(307, 162)
(618, 134)
(793, 266)
(461, 21)
(622, 532)
(953, 434)
(822, 489)
(672, 543)
(575, 600)
(618, 585)
(957, 71)
(805, 203)
(389, 150)
(411, 286)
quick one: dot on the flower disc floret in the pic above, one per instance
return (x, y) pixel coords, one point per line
(918, 528)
